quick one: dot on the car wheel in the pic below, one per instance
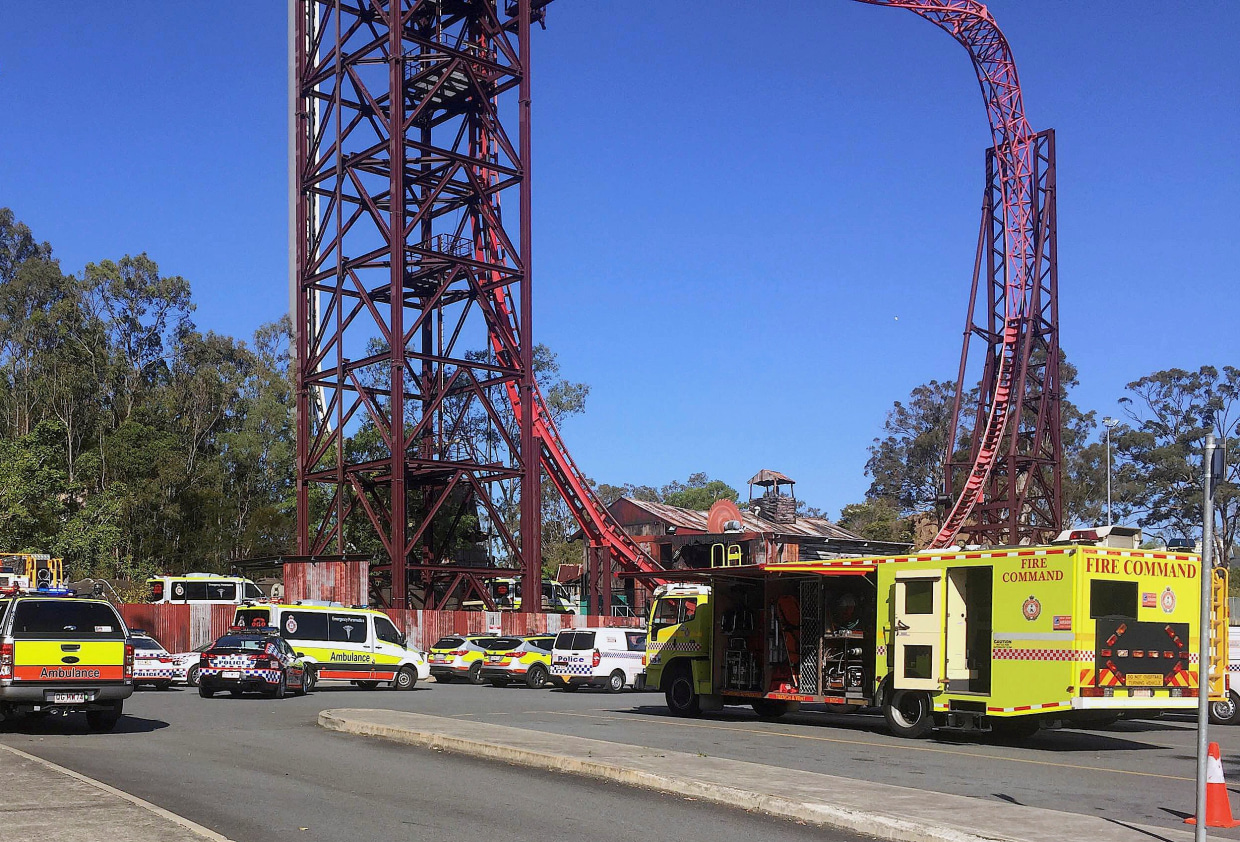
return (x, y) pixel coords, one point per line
(205, 692)
(475, 673)
(908, 713)
(236, 694)
(569, 687)
(191, 677)
(536, 677)
(1226, 712)
(164, 685)
(406, 678)
(499, 682)
(681, 696)
(367, 685)
(770, 708)
(104, 720)
(282, 688)
(310, 679)
(615, 681)
(443, 679)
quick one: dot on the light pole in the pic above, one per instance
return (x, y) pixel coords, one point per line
(1110, 423)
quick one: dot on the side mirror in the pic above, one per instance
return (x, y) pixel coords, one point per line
(300, 654)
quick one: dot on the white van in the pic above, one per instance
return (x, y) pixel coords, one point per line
(202, 589)
(599, 657)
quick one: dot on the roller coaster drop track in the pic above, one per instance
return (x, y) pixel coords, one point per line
(374, 239)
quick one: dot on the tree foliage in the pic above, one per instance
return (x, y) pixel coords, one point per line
(1159, 452)
(698, 492)
(130, 441)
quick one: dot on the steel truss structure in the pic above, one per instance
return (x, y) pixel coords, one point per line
(1016, 430)
(421, 434)
(1023, 500)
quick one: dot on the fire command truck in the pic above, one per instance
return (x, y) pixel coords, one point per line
(1004, 640)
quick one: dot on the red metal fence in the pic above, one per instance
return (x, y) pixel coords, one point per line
(181, 628)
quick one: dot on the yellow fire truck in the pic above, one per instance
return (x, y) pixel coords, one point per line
(1004, 640)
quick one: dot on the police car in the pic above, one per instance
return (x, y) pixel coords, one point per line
(598, 657)
(154, 665)
(526, 659)
(253, 660)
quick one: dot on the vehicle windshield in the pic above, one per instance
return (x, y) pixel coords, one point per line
(146, 644)
(254, 617)
(236, 641)
(448, 642)
(68, 618)
(574, 641)
(505, 643)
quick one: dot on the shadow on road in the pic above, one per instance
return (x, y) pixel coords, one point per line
(1050, 739)
(75, 723)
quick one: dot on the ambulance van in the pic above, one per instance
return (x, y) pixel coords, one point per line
(339, 643)
(1004, 640)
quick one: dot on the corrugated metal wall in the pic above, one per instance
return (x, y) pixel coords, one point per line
(333, 581)
(181, 628)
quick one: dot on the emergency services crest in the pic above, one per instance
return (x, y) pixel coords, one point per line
(1167, 600)
(1032, 609)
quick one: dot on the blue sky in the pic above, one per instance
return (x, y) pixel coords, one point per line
(754, 223)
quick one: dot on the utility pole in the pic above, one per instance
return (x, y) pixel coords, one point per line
(1203, 665)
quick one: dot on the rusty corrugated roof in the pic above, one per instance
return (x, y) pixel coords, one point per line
(808, 527)
(567, 573)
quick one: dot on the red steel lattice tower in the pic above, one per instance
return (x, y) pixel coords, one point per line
(422, 437)
(411, 295)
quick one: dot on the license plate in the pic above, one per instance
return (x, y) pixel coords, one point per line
(1142, 694)
(68, 698)
(437, 659)
(1144, 680)
(231, 673)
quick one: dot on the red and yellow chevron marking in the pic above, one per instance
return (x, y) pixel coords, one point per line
(1087, 677)
(1107, 678)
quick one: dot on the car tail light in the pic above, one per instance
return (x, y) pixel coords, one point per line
(1189, 693)
(128, 661)
(596, 660)
(459, 652)
(512, 654)
(644, 660)
(1092, 692)
(6, 660)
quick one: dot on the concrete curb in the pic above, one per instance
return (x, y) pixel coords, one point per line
(882, 826)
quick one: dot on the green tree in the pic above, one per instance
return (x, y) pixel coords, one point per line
(1159, 452)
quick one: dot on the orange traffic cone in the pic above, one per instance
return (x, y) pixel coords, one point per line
(1218, 807)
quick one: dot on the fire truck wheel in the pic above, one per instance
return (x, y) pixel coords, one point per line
(1226, 713)
(104, 720)
(908, 713)
(681, 695)
(770, 708)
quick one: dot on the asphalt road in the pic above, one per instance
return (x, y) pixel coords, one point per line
(257, 770)
(261, 769)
